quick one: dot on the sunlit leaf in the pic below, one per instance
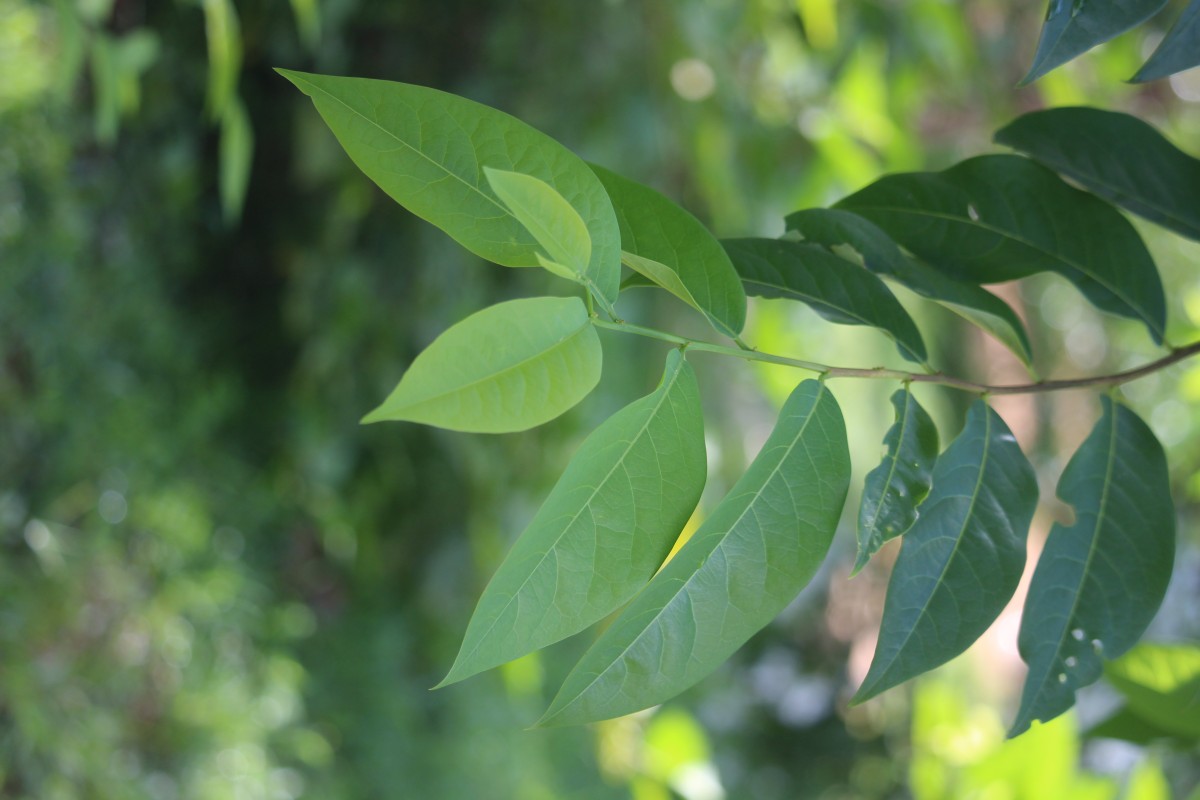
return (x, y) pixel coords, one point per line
(427, 150)
(744, 564)
(237, 153)
(1100, 581)
(1179, 50)
(1002, 217)
(835, 288)
(960, 562)
(832, 227)
(1161, 684)
(224, 36)
(1073, 27)
(895, 488)
(506, 368)
(1151, 177)
(603, 531)
(655, 229)
(555, 224)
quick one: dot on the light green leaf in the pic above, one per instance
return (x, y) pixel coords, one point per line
(506, 368)
(237, 153)
(1100, 581)
(1151, 178)
(1179, 50)
(838, 290)
(1073, 27)
(554, 223)
(1002, 217)
(895, 488)
(746, 562)
(224, 37)
(308, 21)
(655, 229)
(962, 559)
(603, 531)
(1161, 684)
(833, 226)
(427, 150)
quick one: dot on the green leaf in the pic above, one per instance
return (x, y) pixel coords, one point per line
(1073, 27)
(655, 229)
(1179, 50)
(1161, 684)
(746, 562)
(832, 227)
(1002, 217)
(554, 223)
(506, 368)
(427, 150)
(835, 288)
(224, 36)
(603, 531)
(895, 488)
(962, 559)
(237, 153)
(1151, 178)
(1100, 581)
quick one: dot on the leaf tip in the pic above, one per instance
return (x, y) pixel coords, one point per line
(378, 415)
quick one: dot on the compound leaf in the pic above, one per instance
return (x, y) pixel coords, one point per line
(744, 564)
(1179, 50)
(1152, 178)
(506, 368)
(603, 531)
(655, 229)
(962, 559)
(428, 149)
(1073, 27)
(1100, 581)
(835, 288)
(895, 488)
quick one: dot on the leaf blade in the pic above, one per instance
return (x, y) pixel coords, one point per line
(1073, 27)
(629, 489)
(1179, 49)
(731, 578)
(507, 368)
(554, 223)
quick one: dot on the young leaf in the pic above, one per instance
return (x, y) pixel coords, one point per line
(962, 559)
(1161, 684)
(1073, 27)
(506, 368)
(1100, 581)
(1002, 217)
(1179, 50)
(1152, 178)
(895, 488)
(427, 150)
(833, 226)
(746, 562)
(655, 229)
(835, 288)
(603, 531)
(554, 223)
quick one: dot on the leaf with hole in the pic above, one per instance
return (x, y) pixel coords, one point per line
(506, 368)
(1002, 217)
(838, 290)
(427, 149)
(1152, 178)
(960, 563)
(745, 563)
(894, 489)
(603, 531)
(1073, 27)
(674, 250)
(1099, 581)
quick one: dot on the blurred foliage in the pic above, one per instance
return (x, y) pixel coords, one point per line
(217, 585)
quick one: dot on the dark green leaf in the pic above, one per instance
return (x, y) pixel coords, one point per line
(833, 226)
(1002, 217)
(746, 562)
(895, 488)
(1180, 49)
(427, 149)
(656, 229)
(1073, 27)
(1161, 683)
(962, 559)
(603, 531)
(1151, 177)
(835, 288)
(1100, 581)
(506, 368)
